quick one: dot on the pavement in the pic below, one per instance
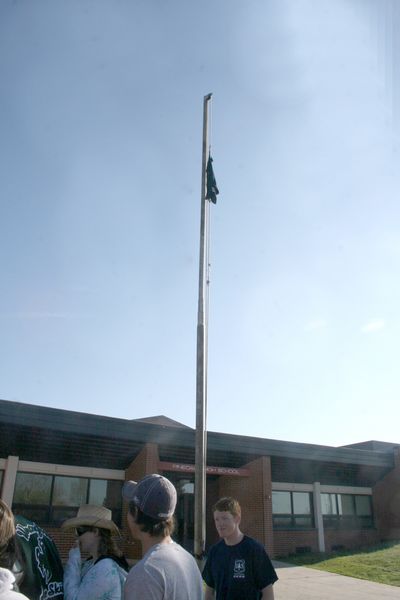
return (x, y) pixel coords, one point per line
(302, 583)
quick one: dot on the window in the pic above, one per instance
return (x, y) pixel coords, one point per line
(53, 498)
(292, 510)
(346, 511)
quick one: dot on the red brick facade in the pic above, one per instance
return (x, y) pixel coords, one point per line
(254, 492)
(350, 539)
(386, 499)
(289, 542)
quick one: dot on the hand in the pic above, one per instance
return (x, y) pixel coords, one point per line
(75, 553)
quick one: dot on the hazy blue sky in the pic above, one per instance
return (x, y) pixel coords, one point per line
(100, 168)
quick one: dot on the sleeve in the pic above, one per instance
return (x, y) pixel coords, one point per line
(98, 583)
(207, 571)
(264, 571)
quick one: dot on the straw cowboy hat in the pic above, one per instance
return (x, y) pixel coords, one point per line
(92, 516)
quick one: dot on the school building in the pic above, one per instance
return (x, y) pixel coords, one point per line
(295, 497)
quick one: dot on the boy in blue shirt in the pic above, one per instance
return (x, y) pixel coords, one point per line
(237, 566)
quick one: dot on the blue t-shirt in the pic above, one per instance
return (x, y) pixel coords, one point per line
(238, 572)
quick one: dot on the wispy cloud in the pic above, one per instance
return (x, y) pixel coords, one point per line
(315, 324)
(43, 315)
(374, 325)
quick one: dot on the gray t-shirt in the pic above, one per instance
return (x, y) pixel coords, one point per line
(166, 572)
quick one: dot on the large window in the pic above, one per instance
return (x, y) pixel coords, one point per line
(346, 511)
(292, 510)
(50, 499)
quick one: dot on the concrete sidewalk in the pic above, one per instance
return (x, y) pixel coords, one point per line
(302, 583)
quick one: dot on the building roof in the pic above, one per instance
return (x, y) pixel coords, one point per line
(162, 420)
(43, 434)
(374, 445)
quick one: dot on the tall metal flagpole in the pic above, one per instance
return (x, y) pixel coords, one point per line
(201, 370)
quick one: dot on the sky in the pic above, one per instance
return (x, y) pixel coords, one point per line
(101, 108)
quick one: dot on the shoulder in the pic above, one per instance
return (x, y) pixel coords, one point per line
(167, 553)
(6, 582)
(253, 544)
(109, 565)
(104, 563)
(177, 549)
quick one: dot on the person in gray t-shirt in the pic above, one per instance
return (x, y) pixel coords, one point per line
(166, 571)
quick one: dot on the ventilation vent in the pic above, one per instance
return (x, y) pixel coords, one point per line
(338, 548)
(303, 549)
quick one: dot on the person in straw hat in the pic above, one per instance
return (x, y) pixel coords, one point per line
(102, 575)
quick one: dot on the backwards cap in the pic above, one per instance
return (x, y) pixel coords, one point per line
(154, 495)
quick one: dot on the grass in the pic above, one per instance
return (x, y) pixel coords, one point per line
(378, 563)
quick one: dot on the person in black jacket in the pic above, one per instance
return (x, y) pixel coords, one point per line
(41, 575)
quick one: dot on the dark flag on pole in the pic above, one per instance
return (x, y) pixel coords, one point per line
(212, 190)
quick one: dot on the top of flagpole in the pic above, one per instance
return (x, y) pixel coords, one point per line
(208, 96)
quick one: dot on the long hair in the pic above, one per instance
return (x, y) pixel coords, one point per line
(8, 545)
(107, 545)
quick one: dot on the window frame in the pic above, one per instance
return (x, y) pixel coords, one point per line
(292, 517)
(49, 510)
(353, 521)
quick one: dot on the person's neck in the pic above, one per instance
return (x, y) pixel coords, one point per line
(234, 539)
(148, 541)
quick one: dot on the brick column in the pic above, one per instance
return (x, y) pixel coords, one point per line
(386, 502)
(145, 463)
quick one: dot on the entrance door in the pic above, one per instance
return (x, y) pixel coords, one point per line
(184, 513)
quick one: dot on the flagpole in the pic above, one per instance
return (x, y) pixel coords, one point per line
(201, 365)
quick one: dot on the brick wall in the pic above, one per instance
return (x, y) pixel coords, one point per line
(350, 539)
(386, 503)
(286, 542)
(64, 540)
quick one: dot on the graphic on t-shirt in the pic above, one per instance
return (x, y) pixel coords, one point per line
(239, 569)
(45, 569)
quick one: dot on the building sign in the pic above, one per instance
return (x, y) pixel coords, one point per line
(185, 468)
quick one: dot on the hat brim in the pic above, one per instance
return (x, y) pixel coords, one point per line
(90, 522)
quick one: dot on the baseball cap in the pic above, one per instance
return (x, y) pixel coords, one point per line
(154, 495)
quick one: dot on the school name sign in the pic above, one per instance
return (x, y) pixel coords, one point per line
(186, 468)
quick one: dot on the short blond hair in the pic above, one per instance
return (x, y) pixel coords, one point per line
(228, 504)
